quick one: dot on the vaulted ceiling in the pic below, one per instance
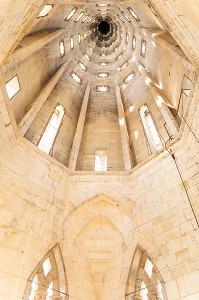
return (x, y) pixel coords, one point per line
(135, 60)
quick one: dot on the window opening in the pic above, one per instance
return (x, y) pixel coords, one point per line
(46, 266)
(71, 14)
(62, 48)
(100, 161)
(79, 38)
(82, 66)
(76, 77)
(134, 43)
(144, 291)
(79, 17)
(13, 87)
(133, 14)
(143, 48)
(51, 130)
(34, 288)
(153, 139)
(50, 291)
(45, 11)
(148, 267)
(103, 88)
(72, 43)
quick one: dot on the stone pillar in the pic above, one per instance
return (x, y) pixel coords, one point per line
(40, 295)
(33, 44)
(41, 98)
(79, 130)
(153, 293)
(138, 298)
(123, 131)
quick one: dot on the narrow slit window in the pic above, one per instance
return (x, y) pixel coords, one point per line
(133, 14)
(46, 266)
(71, 43)
(126, 16)
(134, 43)
(148, 267)
(85, 19)
(12, 87)
(87, 57)
(82, 66)
(75, 77)
(45, 11)
(103, 88)
(103, 63)
(34, 287)
(50, 291)
(127, 37)
(144, 291)
(72, 12)
(79, 38)
(151, 133)
(62, 48)
(52, 128)
(143, 48)
(79, 17)
(100, 161)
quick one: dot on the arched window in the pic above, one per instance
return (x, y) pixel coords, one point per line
(144, 280)
(47, 281)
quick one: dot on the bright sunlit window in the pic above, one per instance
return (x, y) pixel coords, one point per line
(148, 267)
(103, 63)
(34, 287)
(102, 4)
(76, 77)
(119, 56)
(143, 48)
(126, 16)
(82, 66)
(71, 14)
(144, 291)
(102, 88)
(133, 14)
(45, 11)
(100, 161)
(72, 43)
(52, 128)
(85, 19)
(12, 87)
(103, 75)
(128, 78)
(79, 38)
(79, 17)
(134, 43)
(62, 48)
(151, 133)
(50, 291)
(87, 57)
(46, 266)
(123, 66)
(127, 37)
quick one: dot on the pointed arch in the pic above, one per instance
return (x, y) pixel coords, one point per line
(144, 279)
(48, 278)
